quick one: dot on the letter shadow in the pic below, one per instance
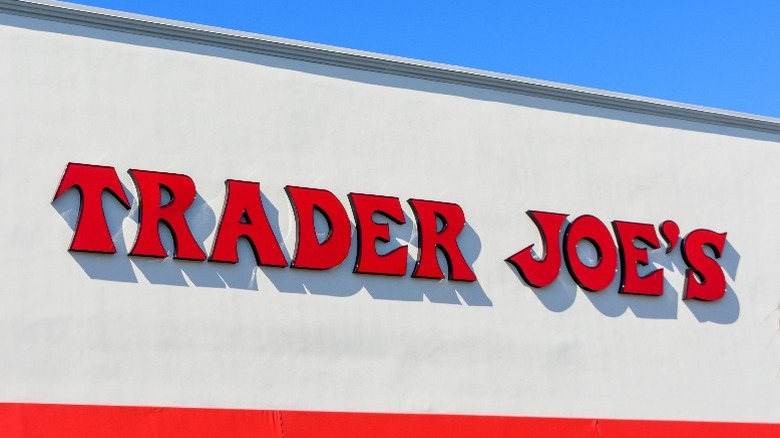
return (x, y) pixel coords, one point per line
(202, 221)
(613, 304)
(337, 282)
(119, 266)
(558, 296)
(109, 267)
(725, 310)
(561, 294)
(341, 281)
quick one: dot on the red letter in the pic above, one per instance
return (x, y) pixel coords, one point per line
(151, 213)
(705, 279)
(92, 233)
(368, 232)
(542, 272)
(451, 215)
(244, 216)
(309, 252)
(597, 277)
(631, 257)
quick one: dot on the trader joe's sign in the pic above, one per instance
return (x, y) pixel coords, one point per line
(165, 197)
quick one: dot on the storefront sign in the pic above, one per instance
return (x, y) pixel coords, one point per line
(243, 216)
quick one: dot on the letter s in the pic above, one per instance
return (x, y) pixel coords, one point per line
(705, 279)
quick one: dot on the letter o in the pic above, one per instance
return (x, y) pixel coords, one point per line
(591, 278)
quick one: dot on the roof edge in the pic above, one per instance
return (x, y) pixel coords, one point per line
(347, 58)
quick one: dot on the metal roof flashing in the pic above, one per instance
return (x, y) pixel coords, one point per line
(347, 58)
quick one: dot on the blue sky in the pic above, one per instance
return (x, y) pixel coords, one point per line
(722, 54)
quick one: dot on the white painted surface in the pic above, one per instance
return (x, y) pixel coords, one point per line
(78, 328)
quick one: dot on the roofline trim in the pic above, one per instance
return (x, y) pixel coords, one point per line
(354, 59)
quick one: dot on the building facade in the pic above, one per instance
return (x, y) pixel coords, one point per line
(214, 233)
